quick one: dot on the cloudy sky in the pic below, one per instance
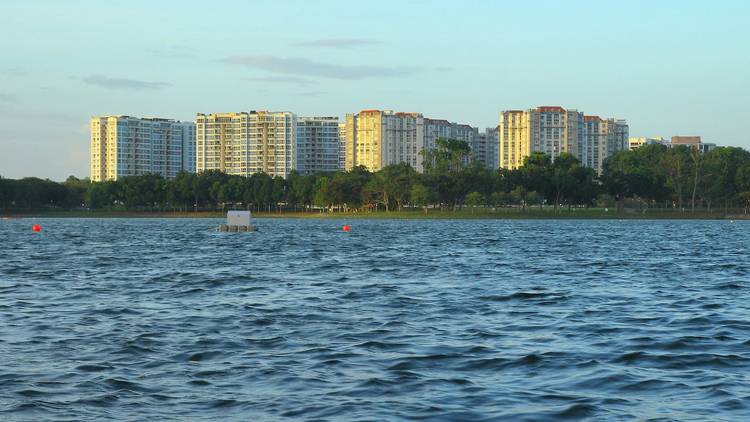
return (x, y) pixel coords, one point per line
(668, 67)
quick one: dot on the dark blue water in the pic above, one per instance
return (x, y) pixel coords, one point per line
(157, 319)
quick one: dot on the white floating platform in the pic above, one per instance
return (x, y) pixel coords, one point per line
(237, 221)
(235, 229)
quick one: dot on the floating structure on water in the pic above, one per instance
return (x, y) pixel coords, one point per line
(237, 221)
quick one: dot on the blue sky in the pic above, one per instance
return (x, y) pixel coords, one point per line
(668, 67)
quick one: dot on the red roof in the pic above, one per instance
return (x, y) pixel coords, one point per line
(551, 108)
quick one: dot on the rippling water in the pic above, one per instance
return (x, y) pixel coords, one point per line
(161, 319)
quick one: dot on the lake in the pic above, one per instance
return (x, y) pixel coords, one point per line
(166, 319)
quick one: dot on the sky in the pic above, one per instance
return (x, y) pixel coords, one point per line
(671, 67)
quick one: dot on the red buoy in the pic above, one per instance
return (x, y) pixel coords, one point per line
(346, 228)
(36, 227)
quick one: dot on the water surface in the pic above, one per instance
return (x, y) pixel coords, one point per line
(165, 319)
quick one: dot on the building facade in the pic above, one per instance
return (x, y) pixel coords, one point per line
(247, 142)
(692, 141)
(435, 129)
(379, 138)
(602, 138)
(318, 144)
(554, 130)
(514, 134)
(634, 143)
(130, 146)
(342, 145)
(484, 149)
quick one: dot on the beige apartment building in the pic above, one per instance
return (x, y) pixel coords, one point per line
(246, 142)
(123, 146)
(378, 138)
(342, 145)
(554, 130)
(514, 137)
(603, 138)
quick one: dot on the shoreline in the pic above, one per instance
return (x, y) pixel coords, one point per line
(503, 214)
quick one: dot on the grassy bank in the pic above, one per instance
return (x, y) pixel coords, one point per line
(479, 213)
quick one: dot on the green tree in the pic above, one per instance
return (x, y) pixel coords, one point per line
(420, 196)
(448, 156)
(474, 199)
(320, 192)
(676, 162)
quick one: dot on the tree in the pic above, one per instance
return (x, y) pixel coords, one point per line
(143, 191)
(562, 175)
(101, 194)
(180, 190)
(676, 163)
(393, 182)
(278, 193)
(448, 156)
(320, 192)
(76, 191)
(299, 189)
(420, 196)
(637, 173)
(499, 199)
(474, 199)
(697, 159)
(4, 192)
(535, 173)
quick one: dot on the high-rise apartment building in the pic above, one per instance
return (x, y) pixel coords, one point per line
(247, 142)
(342, 145)
(131, 146)
(484, 149)
(514, 134)
(377, 138)
(554, 130)
(435, 129)
(603, 138)
(318, 144)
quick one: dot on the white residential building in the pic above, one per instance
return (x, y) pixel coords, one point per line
(436, 128)
(247, 142)
(318, 144)
(131, 146)
(485, 148)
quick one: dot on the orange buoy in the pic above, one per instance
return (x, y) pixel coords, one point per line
(36, 227)
(346, 228)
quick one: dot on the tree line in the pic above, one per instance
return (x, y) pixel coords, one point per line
(651, 176)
